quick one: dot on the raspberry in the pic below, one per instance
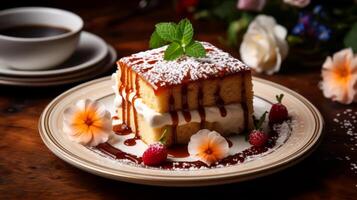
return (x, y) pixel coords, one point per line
(258, 138)
(155, 155)
(278, 112)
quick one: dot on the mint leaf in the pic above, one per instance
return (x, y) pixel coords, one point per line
(184, 32)
(180, 40)
(167, 31)
(173, 51)
(156, 41)
(350, 39)
(195, 49)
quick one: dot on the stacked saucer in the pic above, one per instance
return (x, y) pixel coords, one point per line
(92, 58)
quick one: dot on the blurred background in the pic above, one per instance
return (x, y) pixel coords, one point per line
(315, 29)
(291, 43)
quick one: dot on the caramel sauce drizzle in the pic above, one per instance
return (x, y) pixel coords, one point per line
(128, 84)
(185, 109)
(219, 102)
(137, 95)
(174, 116)
(128, 90)
(121, 129)
(244, 102)
(131, 141)
(117, 153)
(201, 109)
(121, 88)
(182, 152)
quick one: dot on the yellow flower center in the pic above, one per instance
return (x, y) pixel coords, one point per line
(88, 121)
(208, 151)
(343, 73)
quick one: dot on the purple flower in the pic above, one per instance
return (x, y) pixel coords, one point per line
(308, 26)
(305, 19)
(251, 5)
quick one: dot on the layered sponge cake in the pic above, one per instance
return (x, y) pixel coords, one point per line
(183, 96)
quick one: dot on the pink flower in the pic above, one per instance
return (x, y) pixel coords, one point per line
(251, 5)
(298, 3)
(339, 77)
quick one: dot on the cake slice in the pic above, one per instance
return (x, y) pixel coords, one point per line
(183, 96)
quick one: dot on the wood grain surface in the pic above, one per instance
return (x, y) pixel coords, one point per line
(28, 170)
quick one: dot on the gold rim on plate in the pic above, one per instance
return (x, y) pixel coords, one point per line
(303, 140)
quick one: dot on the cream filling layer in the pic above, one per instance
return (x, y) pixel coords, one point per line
(232, 122)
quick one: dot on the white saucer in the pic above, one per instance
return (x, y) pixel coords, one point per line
(81, 75)
(91, 50)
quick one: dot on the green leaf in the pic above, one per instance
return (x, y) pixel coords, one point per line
(173, 51)
(350, 39)
(156, 41)
(258, 125)
(232, 33)
(202, 14)
(236, 28)
(195, 49)
(294, 40)
(167, 31)
(279, 98)
(163, 138)
(184, 32)
(226, 10)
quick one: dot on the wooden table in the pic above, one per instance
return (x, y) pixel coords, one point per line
(28, 170)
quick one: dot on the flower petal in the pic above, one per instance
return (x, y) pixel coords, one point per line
(208, 146)
(98, 138)
(197, 140)
(264, 46)
(87, 122)
(218, 145)
(339, 77)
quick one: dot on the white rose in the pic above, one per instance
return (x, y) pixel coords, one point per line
(264, 45)
(298, 3)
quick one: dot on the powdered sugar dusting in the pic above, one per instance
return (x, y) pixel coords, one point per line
(152, 67)
(284, 131)
(347, 121)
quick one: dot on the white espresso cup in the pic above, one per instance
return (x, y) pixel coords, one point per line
(43, 52)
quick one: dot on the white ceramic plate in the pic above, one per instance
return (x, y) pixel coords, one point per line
(85, 74)
(91, 50)
(302, 140)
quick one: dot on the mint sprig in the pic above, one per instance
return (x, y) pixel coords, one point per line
(180, 39)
